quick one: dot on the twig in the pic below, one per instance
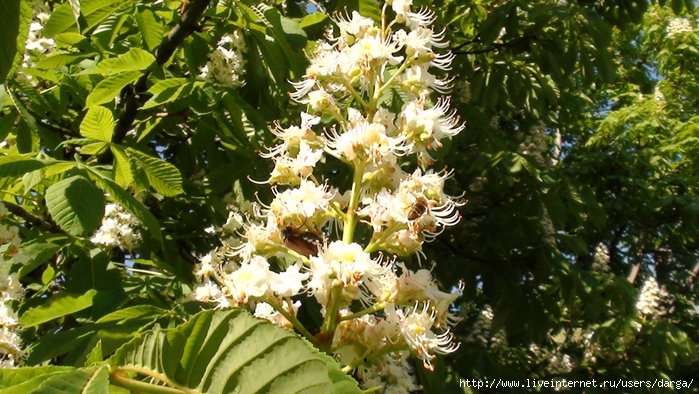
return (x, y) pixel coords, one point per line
(32, 219)
(131, 96)
(497, 46)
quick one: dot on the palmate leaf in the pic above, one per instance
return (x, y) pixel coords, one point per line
(227, 351)
(76, 205)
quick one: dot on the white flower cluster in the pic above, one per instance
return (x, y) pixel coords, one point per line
(36, 44)
(226, 64)
(375, 310)
(480, 335)
(658, 95)
(560, 364)
(648, 303)
(678, 26)
(10, 291)
(601, 260)
(119, 228)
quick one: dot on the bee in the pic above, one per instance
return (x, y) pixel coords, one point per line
(419, 208)
(302, 242)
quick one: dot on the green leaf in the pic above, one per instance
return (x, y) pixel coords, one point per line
(62, 59)
(163, 176)
(9, 31)
(59, 305)
(150, 28)
(170, 90)
(19, 380)
(94, 149)
(77, 381)
(129, 202)
(123, 175)
(313, 19)
(98, 124)
(95, 11)
(108, 88)
(133, 312)
(76, 205)
(14, 165)
(95, 355)
(136, 59)
(58, 168)
(294, 33)
(79, 17)
(38, 250)
(222, 351)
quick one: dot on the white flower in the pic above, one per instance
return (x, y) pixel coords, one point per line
(361, 276)
(307, 205)
(416, 327)
(207, 292)
(226, 66)
(119, 228)
(290, 282)
(425, 128)
(678, 26)
(601, 259)
(649, 298)
(356, 26)
(252, 279)
(394, 373)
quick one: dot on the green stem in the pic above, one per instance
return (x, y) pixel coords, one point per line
(351, 216)
(117, 379)
(291, 318)
(333, 307)
(374, 308)
(374, 245)
(356, 94)
(362, 360)
(388, 83)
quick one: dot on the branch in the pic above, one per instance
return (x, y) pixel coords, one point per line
(53, 128)
(131, 96)
(32, 219)
(495, 46)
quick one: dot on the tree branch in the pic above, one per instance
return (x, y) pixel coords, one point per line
(131, 96)
(494, 46)
(32, 219)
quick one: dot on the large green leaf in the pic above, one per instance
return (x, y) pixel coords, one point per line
(60, 305)
(136, 59)
(15, 165)
(163, 176)
(123, 175)
(226, 351)
(19, 380)
(108, 88)
(76, 205)
(170, 90)
(62, 59)
(9, 30)
(95, 11)
(55, 380)
(98, 124)
(150, 28)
